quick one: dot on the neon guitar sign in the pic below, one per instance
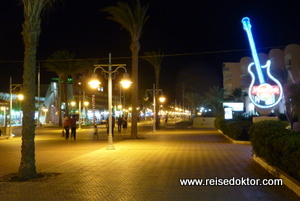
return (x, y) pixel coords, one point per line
(265, 91)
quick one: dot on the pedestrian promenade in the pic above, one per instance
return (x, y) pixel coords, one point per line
(138, 169)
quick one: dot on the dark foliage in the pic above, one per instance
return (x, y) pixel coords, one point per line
(277, 145)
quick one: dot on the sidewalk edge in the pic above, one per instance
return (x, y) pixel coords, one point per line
(288, 181)
(234, 141)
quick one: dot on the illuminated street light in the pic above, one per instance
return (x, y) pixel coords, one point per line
(20, 96)
(73, 103)
(45, 110)
(154, 92)
(94, 83)
(86, 103)
(126, 82)
(162, 99)
(109, 75)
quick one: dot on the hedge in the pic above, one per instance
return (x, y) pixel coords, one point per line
(235, 129)
(278, 146)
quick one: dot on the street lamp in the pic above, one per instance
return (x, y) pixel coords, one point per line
(12, 87)
(109, 75)
(155, 92)
(73, 103)
(45, 110)
(85, 103)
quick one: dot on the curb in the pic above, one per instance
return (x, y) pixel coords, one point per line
(234, 141)
(288, 181)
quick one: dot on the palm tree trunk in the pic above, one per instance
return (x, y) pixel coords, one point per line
(27, 169)
(59, 101)
(157, 120)
(135, 47)
(65, 94)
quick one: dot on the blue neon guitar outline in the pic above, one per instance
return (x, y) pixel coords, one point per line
(265, 96)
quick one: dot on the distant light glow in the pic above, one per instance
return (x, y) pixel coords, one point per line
(162, 99)
(20, 96)
(94, 83)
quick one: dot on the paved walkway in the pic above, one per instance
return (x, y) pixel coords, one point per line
(137, 170)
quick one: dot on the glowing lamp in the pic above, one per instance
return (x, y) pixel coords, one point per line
(86, 103)
(94, 83)
(162, 99)
(20, 96)
(73, 103)
(126, 81)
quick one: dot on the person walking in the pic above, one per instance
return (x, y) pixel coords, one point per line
(113, 125)
(73, 121)
(125, 125)
(95, 131)
(120, 123)
(67, 124)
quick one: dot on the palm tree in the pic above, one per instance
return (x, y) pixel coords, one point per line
(33, 9)
(155, 59)
(133, 20)
(62, 63)
(182, 87)
(193, 99)
(237, 95)
(215, 97)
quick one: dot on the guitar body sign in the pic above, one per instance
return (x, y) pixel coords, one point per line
(265, 91)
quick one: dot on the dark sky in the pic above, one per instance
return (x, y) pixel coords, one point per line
(196, 36)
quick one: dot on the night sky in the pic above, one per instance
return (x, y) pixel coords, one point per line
(195, 36)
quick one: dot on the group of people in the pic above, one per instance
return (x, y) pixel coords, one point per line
(70, 123)
(121, 122)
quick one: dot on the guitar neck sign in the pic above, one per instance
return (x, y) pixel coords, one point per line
(265, 91)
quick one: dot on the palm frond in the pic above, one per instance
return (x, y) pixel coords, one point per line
(154, 58)
(132, 19)
(35, 8)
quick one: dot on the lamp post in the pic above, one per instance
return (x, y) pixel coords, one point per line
(81, 98)
(85, 105)
(45, 110)
(12, 87)
(154, 92)
(110, 74)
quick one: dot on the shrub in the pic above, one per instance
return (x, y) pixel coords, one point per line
(261, 132)
(278, 146)
(217, 122)
(238, 130)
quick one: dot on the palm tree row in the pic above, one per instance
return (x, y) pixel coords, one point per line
(155, 59)
(132, 18)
